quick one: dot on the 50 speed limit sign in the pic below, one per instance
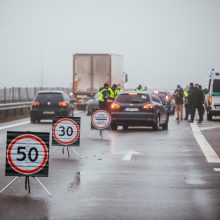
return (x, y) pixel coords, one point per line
(27, 154)
(101, 120)
(66, 131)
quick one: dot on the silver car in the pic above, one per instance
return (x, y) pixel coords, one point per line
(92, 104)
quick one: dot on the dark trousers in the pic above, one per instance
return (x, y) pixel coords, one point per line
(200, 109)
(187, 111)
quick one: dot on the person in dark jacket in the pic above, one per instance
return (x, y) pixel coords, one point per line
(178, 95)
(191, 101)
(198, 103)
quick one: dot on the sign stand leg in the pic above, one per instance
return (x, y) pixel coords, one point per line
(9, 184)
(54, 151)
(101, 133)
(106, 132)
(68, 152)
(77, 153)
(42, 186)
(27, 184)
(92, 133)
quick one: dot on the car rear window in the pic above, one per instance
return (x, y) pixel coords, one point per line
(139, 98)
(52, 97)
(216, 85)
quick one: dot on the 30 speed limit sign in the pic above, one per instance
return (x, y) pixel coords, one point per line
(101, 120)
(27, 154)
(66, 131)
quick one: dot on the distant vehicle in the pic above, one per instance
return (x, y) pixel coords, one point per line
(91, 71)
(92, 104)
(212, 97)
(139, 108)
(49, 104)
(167, 99)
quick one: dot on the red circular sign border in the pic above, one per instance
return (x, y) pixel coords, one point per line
(36, 138)
(109, 116)
(69, 142)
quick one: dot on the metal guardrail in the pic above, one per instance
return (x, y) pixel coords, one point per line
(17, 105)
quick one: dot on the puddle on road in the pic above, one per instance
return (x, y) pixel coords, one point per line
(76, 180)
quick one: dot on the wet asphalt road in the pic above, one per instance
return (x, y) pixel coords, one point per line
(167, 177)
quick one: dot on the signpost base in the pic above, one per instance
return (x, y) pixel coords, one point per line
(101, 133)
(67, 147)
(27, 184)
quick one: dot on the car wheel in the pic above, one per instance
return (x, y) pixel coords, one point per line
(32, 120)
(209, 116)
(156, 124)
(125, 127)
(114, 126)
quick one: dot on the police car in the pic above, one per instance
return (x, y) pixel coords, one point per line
(212, 97)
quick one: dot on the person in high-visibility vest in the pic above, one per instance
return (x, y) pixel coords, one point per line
(104, 94)
(186, 102)
(139, 88)
(119, 89)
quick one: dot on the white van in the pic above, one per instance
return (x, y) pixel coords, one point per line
(212, 97)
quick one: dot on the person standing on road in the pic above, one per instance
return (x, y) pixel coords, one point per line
(139, 88)
(186, 102)
(199, 101)
(191, 100)
(178, 95)
(104, 94)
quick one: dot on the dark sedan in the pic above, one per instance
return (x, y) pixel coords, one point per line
(50, 104)
(139, 109)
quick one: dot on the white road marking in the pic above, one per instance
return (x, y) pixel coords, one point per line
(129, 155)
(206, 148)
(15, 125)
(216, 169)
(207, 128)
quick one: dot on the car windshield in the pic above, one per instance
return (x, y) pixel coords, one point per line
(139, 98)
(216, 85)
(52, 97)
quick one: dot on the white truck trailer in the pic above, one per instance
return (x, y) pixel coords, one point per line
(91, 71)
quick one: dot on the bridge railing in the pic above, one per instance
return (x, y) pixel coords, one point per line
(15, 102)
(24, 94)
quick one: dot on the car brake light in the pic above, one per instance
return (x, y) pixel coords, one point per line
(210, 100)
(115, 106)
(148, 106)
(167, 98)
(63, 104)
(36, 104)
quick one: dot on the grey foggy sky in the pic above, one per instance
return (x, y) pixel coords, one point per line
(163, 42)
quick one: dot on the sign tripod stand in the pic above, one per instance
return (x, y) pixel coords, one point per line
(27, 184)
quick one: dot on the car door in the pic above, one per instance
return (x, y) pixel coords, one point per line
(161, 108)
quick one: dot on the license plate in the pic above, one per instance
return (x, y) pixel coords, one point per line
(131, 109)
(48, 113)
(217, 107)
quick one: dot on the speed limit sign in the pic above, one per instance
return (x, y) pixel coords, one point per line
(27, 154)
(101, 120)
(66, 131)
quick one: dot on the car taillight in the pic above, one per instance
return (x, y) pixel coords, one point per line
(210, 100)
(148, 107)
(115, 106)
(35, 104)
(167, 98)
(63, 104)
